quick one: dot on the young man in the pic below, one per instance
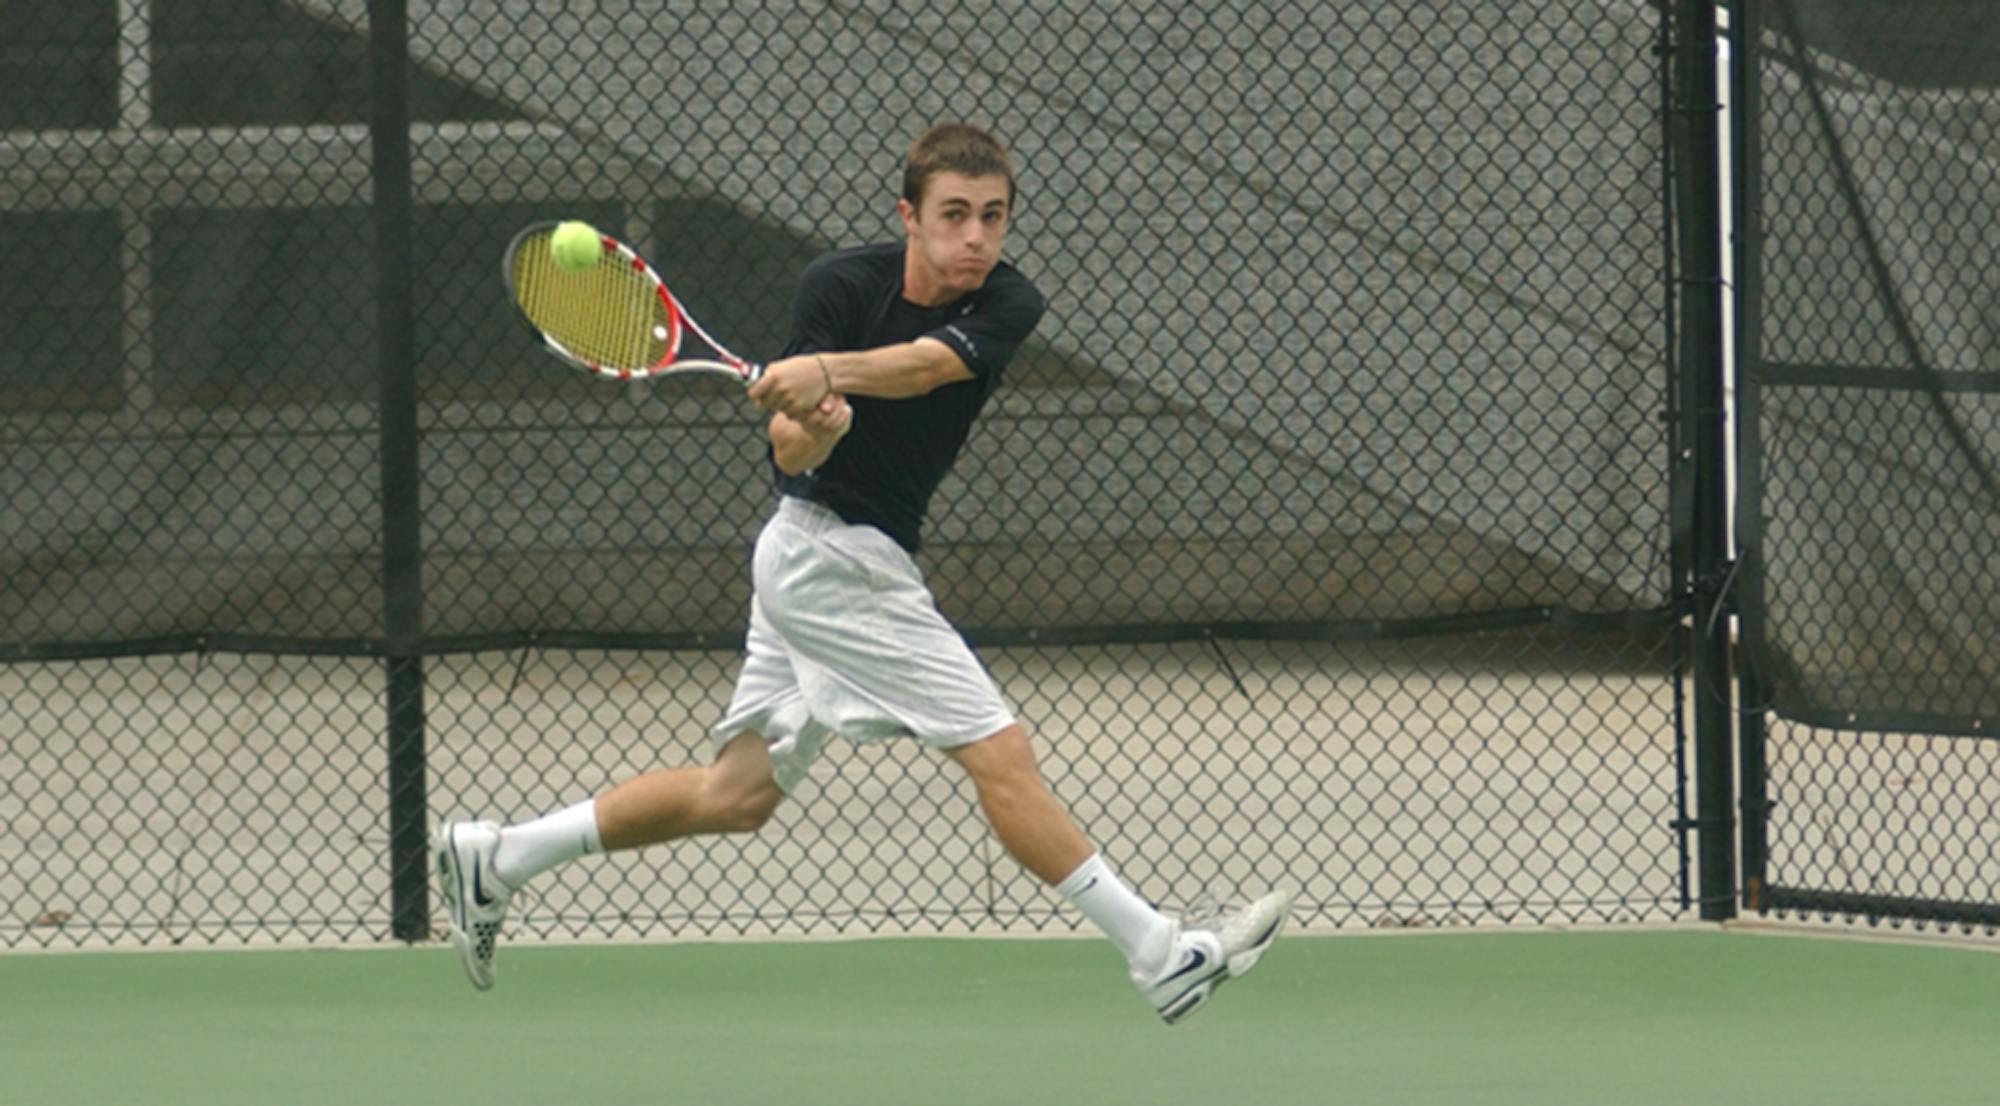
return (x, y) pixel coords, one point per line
(894, 350)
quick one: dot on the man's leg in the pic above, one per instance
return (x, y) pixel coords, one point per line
(1175, 966)
(481, 865)
(735, 794)
(1037, 831)
(1026, 817)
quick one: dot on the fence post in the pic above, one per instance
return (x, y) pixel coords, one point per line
(1699, 204)
(1746, 227)
(402, 555)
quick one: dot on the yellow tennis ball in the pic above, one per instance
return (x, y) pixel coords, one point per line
(575, 245)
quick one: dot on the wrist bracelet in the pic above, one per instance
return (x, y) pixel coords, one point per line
(823, 374)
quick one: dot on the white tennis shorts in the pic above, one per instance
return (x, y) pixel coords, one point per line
(846, 639)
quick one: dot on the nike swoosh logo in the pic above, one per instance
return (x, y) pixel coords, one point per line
(1196, 960)
(1087, 886)
(479, 896)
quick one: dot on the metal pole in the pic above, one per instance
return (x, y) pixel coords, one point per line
(1746, 159)
(402, 555)
(1699, 188)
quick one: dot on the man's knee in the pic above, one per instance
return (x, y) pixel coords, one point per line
(737, 807)
(740, 795)
(1004, 758)
(753, 809)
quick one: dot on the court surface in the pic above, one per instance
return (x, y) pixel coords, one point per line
(1683, 1015)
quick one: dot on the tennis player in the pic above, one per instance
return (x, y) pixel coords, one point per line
(894, 350)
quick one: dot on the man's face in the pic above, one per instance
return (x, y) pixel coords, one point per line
(957, 230)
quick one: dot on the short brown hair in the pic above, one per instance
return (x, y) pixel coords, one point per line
(954, 148)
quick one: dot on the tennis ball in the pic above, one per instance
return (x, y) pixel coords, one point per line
(575, 246)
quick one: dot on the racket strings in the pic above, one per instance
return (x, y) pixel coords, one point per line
(609, 314)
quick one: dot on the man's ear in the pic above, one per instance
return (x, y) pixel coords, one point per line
(909, 214)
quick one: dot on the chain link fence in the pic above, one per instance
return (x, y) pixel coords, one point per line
(1320, 536)
(1871, 388)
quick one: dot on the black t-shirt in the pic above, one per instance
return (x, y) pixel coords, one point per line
(897, 451)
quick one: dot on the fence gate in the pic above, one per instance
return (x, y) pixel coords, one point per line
(1868, 269)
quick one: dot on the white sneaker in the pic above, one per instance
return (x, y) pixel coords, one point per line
(1208, 953)
(475, 899)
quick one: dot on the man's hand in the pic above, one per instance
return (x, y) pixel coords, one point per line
(801, 444)
(831, 416)
(793, 386)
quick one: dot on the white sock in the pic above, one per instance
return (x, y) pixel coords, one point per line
(1140, 932)
(531, 848)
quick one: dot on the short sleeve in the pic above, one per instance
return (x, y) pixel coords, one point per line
(994, 322)
(823, 308)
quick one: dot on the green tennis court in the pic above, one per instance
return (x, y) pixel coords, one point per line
(1548, 1019)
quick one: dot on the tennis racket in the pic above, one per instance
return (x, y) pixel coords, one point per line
(614, 318)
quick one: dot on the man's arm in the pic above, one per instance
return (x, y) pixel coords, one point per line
(801, 444)
(793, 385)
